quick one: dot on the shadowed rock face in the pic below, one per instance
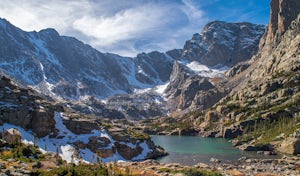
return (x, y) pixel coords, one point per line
(25, 108)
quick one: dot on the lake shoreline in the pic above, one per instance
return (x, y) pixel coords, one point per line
(190, 150)
(286, 165)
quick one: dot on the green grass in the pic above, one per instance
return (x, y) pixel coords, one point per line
(74, 170)
(139, 136)
(191, 172)
(267, 131)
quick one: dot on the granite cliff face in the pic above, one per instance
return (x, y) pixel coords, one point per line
(191, 90)
(282, 14)
(25, 108)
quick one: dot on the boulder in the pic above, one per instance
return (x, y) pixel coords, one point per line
(252, 147)
(214, 160)
(106, 152)
(232, 132)
(81, 126)
(290, 145)
(235, 173)
(127, 152)
(174, 133)
(12, 136)
(201, 166)
(222, 109)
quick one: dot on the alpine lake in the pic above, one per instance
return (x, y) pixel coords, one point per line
(190, 150)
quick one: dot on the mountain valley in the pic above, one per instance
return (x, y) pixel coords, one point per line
(79, 107)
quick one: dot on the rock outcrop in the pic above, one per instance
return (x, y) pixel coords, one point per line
(25, 108)
(290, 145)
(189, 90)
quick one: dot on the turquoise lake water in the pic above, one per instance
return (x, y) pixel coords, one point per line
(190, 150)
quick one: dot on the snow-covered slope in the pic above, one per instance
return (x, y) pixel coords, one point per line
(64, 67)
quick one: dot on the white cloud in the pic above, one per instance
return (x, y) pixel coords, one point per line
(120, 26)
(124, 25)
(39, 14)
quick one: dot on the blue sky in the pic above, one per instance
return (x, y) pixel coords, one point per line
(128, 27)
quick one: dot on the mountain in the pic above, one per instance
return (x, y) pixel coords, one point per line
(221, 43)
(262, 102)
(64, 68)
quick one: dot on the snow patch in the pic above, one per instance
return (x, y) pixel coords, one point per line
(206, 71)
(68, 154)
(197, 67)
(160, 89)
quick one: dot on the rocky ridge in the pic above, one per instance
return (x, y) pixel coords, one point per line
(64, 67)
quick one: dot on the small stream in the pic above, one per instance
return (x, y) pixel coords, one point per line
(190, 150)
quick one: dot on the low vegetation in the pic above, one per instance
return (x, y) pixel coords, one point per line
(74, 170)
(191, 172)
(22, 152)
(266, 131)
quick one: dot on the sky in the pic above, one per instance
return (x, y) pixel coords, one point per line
(129, 27)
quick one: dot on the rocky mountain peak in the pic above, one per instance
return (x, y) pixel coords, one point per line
(223, 43)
